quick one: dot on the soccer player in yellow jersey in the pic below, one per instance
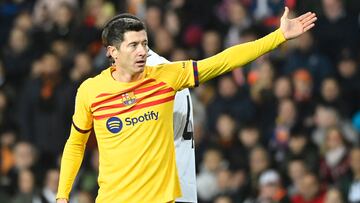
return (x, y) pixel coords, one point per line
(130, 107)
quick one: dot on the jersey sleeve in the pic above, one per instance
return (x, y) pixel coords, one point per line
(179, 75)
(71, 161)
(82, 118)
(237, 56)
(75, 145)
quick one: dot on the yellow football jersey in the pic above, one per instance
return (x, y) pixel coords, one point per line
(133, 123)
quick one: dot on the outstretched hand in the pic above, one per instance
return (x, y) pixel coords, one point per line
(292, 28)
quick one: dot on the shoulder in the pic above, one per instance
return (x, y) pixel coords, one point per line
(169, 67)
(153, 70)
(87, 84)
(94, 81)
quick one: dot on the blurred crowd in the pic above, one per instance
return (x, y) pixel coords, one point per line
(285, 128)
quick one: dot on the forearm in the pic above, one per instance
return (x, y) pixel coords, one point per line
(237, 56)
(71, 161)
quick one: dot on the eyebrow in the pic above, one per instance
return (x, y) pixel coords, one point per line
(137, 42)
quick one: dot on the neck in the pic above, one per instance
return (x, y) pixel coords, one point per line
(123, 76)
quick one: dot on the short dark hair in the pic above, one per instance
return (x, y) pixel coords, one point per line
(115, 28)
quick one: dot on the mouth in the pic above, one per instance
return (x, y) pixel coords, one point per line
(140, 62)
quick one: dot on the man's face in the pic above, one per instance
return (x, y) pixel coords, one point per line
(132, 53)
(308, 187)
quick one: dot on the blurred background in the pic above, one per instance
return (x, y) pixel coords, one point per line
(285, 128)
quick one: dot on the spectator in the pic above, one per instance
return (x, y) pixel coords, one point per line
(309, 190)
(259, 161)
(211, 43)
(231, 100)
(270, 189)
(350, 184)
(307, 56)
(248, 137)
(27, 188)
(83, 197)
(223, 199)
(349, 81)
(333, 195)
(63, 27)
(173, 24)
(335, 162)
(260, 78)
(48, 193)
(264, 73)
(327, 117)
(8, 138)
(285, 120)
(225, 183)
(164, 43)
(301, 147)
(17, 57)
(283, 88)
(336, 29)
(238, 20)
(25, 158)
(296, 171)
(153, 22)
(303, 92)
(64, 52)
(225, 138)
(82, 68)
(45, 11)
(330, 95)
(42, 108)
(206, 178)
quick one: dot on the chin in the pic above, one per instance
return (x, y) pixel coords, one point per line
(139, 69)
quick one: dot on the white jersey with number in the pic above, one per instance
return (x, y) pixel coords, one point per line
(183, 137)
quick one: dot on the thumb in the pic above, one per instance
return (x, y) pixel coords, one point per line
(286, 12)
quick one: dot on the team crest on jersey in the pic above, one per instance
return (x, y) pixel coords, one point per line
(128, 98)
(114, 124)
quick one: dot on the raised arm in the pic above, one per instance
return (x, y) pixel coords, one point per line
(242, 54)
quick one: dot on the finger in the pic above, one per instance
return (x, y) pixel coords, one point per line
(303, 16)
(308, 18)
(286, 12)
(309, 22)
(309, 27)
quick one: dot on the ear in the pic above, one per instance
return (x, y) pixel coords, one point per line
(111, 52)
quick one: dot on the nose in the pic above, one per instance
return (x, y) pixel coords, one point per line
(141, 50)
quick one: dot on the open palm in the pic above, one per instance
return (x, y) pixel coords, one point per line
(293, 28)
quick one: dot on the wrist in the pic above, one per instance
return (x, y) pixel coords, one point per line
(282, 33)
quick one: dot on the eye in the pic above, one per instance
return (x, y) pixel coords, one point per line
(133, 45)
